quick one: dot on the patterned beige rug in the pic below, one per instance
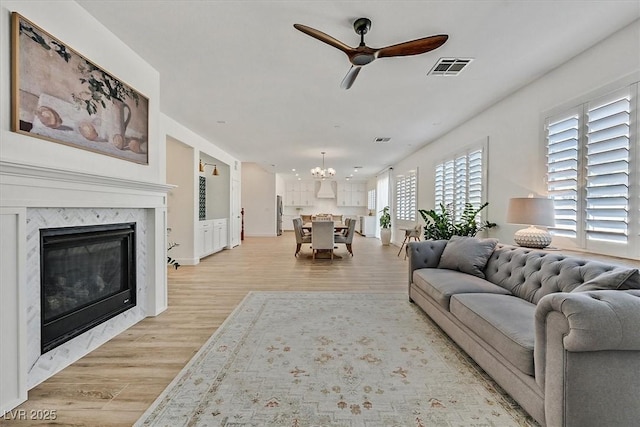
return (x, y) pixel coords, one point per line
(331, 359)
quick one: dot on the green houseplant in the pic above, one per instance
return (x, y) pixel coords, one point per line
(442, 224)
(385, 226)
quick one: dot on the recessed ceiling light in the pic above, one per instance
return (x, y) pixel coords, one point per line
(293, 170)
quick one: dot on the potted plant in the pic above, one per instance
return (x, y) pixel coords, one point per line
(385, 226)
(442, 225)
(171, 261)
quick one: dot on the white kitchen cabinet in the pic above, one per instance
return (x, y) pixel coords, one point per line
(352, 194)
(287, 222)
(212, 236)
(368, 226)
(299, 193)
(219, 234)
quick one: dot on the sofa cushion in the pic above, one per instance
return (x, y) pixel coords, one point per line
(467, 254)
(531, 274)
(504, 322)
(622, 279)
(441, 284)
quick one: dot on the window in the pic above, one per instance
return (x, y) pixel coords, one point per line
(591, 152)
(406, 197)
(371, 199)
(459, 180)
(382, 197)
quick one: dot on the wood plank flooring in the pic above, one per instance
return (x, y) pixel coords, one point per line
(116, 383)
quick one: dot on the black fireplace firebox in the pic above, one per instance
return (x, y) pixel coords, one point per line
(87, 276)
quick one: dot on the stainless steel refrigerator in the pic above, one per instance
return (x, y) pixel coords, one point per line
(279, 215)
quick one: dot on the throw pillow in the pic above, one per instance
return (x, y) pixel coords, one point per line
(467, 254)
(614, 279)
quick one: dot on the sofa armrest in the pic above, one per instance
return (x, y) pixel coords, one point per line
(586, 354)
(597, 320)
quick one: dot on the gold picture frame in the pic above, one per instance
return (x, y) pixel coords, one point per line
(61, 96)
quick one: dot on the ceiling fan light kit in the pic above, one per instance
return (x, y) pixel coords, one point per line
(363, 54)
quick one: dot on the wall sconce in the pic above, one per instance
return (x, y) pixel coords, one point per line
(215, 168)
(531, 211)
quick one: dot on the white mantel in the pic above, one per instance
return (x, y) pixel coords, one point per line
(38, 196)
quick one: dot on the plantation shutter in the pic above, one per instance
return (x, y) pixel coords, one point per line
(562, 172)
(460, 186)
(474, 192)
(607, 169)
(406, 197)
(439, 184)
(459, 181)
(371, 200)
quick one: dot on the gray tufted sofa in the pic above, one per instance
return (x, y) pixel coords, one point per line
(568, 354)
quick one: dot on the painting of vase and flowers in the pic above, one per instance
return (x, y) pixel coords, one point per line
(60, 96)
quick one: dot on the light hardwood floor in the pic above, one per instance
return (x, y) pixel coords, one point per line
(116, 383)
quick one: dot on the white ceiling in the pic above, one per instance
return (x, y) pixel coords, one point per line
(238, 73)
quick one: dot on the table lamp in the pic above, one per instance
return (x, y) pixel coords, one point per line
(531, 211)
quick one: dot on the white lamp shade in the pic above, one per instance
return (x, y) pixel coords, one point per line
(531, 211)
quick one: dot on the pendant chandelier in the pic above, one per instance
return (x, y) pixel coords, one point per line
(323, 172)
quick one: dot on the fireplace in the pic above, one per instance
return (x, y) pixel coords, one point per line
(87, 276)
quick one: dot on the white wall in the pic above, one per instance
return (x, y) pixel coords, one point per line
(41, 174)
(181, 201)
(514, 126)
(258, 200)
(185, 176)
(91, 39)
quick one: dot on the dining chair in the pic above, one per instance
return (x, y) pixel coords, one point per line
(410, 233)
(343, 232)
(322, 238)
(301, 235)
(347, 238)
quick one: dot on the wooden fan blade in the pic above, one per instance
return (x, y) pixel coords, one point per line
(414, 47)
(350, 77)
(326, 38)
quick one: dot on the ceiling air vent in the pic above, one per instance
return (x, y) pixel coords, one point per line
(449, 66)
(381, 140)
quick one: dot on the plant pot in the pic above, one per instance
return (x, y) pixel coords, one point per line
(385, 236)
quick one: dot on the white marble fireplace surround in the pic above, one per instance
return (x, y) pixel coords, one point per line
(43, 366)
(36, 197)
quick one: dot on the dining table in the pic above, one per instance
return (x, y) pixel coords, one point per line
(338, 226)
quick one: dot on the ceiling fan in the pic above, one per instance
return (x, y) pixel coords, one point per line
(363, 54)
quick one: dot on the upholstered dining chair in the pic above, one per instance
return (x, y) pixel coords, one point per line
(343, 232)
(347, 238)
(410, 233)
(322, 238)
(301, 235)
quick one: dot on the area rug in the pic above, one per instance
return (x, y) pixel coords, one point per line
(302, 359)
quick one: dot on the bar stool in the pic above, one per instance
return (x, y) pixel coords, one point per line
(410, 233)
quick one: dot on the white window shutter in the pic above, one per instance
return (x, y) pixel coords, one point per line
(607, 170)
(562, 172)
(459, 181)
(406, 189)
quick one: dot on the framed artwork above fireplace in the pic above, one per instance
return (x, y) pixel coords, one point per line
(61, 96)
